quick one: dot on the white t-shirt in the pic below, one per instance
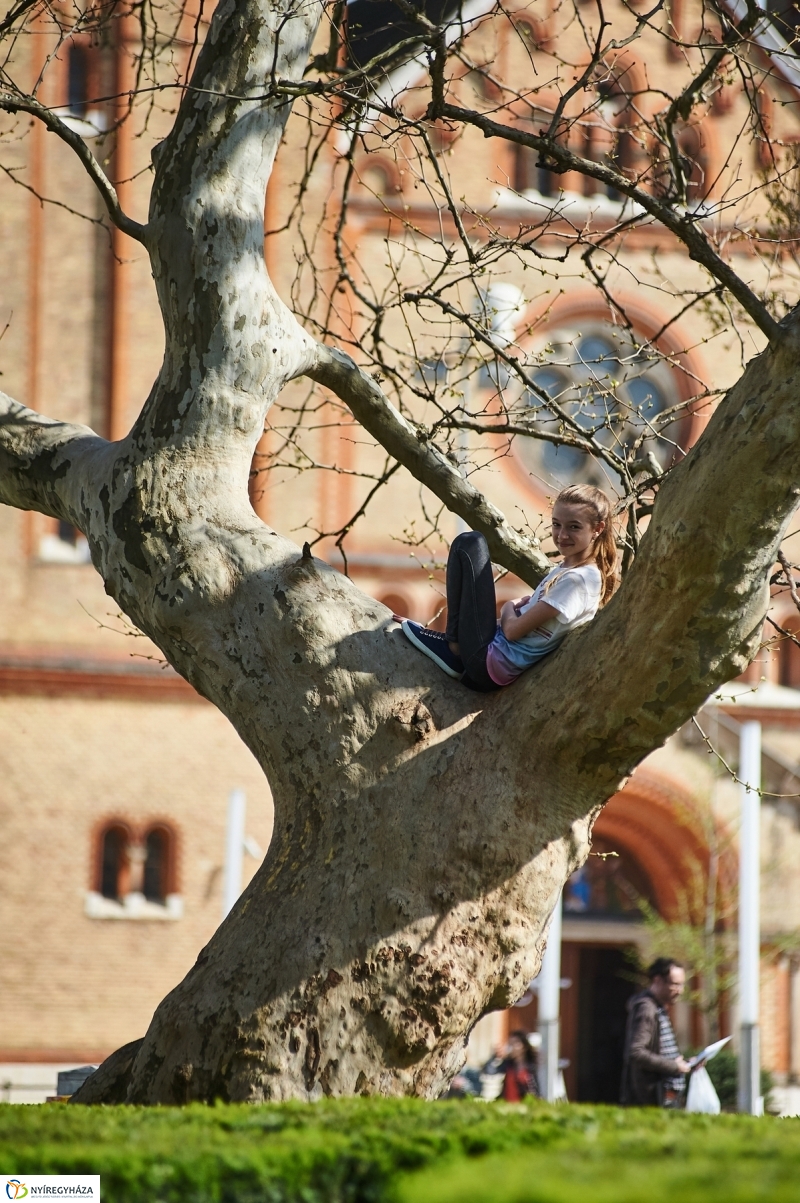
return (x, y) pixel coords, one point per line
(575, 593)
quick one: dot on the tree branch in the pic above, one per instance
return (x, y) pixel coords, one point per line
(28, 104)
(791, 582)
(683, 225)
(44, 464)
(682, 105)
(370, 406)
(11, 16)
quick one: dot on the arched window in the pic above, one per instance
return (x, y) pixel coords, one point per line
(613, 390)
(694, 163)
(531, 176)
(77, 79)
(134, 875)
(613, 146)
(114, 867)
(789, 656)
(607, 138)
(610, 883)
(695, 166)
(63, 543)
(534, 31)
(379, 176)
(395, 602)
(156, 883)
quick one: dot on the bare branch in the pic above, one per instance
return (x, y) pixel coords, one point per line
(12, 103)
(792, 583)
(682, 105)
(414, 451)
(18, 10)
(683, 226)
(790, 635)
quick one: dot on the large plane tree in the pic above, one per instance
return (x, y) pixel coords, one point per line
(422, 832)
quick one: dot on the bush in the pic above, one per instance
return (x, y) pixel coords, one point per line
(405, 1151)
(336, 1151)
(724, 1073)
(701, 1160)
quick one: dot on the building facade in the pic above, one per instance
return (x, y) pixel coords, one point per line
(114, 774)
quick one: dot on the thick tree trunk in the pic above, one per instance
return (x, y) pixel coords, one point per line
(422, 832)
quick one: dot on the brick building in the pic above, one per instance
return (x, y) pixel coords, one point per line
(114, 774)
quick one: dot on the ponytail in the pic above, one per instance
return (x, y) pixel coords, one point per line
(605, 551)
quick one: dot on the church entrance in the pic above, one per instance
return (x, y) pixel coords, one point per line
(602, 919)
(598, 976)
(594, 1012)
(646, 846)
(602, 927)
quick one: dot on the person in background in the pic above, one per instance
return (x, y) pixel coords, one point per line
(466, 1084)
(653, 1070)
(517, 1064)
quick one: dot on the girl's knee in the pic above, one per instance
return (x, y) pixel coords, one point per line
(469, 540)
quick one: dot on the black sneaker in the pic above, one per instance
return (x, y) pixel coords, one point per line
(434, 644)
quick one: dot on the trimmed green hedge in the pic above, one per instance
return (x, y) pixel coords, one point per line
(406, 1151)
(633, 1157)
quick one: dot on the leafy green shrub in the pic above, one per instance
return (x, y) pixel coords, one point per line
(724, 1073)
(405, 1151)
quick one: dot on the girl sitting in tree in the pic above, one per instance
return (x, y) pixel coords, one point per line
(486, 654)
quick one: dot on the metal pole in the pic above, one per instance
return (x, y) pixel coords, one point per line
(750, 1101)
(549, 1001)
(234, 850)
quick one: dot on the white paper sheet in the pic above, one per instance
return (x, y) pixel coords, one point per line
(709, 1051)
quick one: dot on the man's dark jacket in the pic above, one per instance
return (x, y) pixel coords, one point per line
(644, 1071)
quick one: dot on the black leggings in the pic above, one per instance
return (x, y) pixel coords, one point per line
(471, 606)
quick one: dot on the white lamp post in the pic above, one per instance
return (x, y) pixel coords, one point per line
(549, 982)
(234, 849)
(750, 1101)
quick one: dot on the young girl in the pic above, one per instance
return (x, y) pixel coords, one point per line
(486, 654)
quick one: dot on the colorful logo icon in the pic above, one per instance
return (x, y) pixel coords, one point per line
(16, 1189)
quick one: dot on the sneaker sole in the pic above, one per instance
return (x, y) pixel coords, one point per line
(426, 651)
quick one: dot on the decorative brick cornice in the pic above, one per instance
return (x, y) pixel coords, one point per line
(53, 1056)
(75, 673)
(769, 716)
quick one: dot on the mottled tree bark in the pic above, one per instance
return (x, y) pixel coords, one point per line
(422, 832)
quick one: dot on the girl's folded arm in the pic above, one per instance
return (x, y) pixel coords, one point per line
(516, 626)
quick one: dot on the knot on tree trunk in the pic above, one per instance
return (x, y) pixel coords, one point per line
(415, 718)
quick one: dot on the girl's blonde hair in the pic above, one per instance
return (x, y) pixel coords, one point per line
(605, 551)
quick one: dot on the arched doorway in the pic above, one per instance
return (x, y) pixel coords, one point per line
(601, 930)
(647, 844)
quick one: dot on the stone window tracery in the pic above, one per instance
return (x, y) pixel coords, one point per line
(609, 387)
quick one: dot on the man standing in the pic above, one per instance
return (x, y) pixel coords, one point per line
(653, 1071)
